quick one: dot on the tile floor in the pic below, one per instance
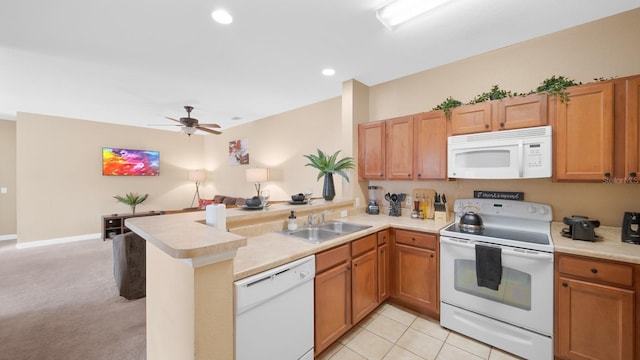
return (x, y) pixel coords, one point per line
(395, 333)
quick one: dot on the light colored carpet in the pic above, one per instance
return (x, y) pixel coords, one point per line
(61, 302)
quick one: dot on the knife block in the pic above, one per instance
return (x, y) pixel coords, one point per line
(442, 216)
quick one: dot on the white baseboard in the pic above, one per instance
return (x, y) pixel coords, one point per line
(8, 237)
(56, 241)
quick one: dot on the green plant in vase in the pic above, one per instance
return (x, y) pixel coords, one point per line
(327, 166)
(132, 199)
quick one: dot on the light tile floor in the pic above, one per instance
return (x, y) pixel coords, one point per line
(395, 333)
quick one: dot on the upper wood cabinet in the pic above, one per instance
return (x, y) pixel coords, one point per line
(430, 145)
(400, 148)
(468, 119)
(505, 114)
(521, 112)
(583, 134)
(627, 128)
(371, 150)
(414, 148)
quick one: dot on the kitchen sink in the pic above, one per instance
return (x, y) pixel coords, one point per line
(343, 227)
(324, 232)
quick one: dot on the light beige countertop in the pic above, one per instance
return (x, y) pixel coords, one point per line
(269, 250)
(609, 246)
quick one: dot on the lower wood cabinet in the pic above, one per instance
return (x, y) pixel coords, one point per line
(332, 296)
(416, 275)
(364, 277)
(595, 309)
(384, 266)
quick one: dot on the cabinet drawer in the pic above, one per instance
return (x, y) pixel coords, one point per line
(332, 257)
(427, 241)
(383, 237)
(597, 270)
(363, 245)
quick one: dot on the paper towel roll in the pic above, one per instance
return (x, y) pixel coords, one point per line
(216, 215)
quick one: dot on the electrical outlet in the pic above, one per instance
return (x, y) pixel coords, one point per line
(3, 190)
(357, 202)
(343, 213)
(407, 201)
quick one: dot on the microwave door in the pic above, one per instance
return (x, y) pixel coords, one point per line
(489, 162)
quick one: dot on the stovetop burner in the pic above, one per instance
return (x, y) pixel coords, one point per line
(510, 234)
(506, 222)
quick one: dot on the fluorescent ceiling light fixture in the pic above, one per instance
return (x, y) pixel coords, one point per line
(401, 11)
(328, 72)
(222, 17)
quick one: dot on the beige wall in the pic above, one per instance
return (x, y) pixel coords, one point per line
(605, 48)
(279, 143)
(62, 191)
(8, 179)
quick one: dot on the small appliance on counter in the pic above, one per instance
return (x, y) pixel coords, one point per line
(631, 228)
(580, 228)
(373, 208)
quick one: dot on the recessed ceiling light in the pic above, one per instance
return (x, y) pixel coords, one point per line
(328, 72)
(221, 17)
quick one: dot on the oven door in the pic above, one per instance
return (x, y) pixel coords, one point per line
(524, 297)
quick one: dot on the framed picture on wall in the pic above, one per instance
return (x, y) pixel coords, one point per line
(239, 152)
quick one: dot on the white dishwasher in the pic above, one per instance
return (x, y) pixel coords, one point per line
(274, 313)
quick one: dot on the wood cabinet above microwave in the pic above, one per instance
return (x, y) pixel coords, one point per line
(505, 114)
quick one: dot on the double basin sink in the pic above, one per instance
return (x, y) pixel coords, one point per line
(326, 231)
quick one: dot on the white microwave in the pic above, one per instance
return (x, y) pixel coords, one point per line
(510, 154)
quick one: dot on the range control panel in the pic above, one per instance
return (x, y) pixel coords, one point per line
(504, 208)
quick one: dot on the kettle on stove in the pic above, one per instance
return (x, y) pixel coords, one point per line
(580, 228)
(631, 228)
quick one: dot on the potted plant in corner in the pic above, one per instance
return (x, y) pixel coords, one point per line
(329, 165)
(132, 200)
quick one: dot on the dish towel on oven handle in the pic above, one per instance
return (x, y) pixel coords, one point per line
(488, 266)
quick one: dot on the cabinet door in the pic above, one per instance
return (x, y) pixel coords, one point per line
(584, 134)
(416, 278)
(364, 285)
(594, 321)
(521, 112)
(371, 150)
(469, 119)
(400, 148)
(384, 272)
(632, 127)
(430, 145)
(332, 305)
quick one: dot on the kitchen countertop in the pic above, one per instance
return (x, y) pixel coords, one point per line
(609, 246)
(269, 250)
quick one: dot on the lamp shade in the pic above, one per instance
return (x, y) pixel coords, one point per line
(256, 175)
(197, 175)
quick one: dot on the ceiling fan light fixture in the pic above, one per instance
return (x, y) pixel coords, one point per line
(222, 17)
(400, 11)
(188, 130)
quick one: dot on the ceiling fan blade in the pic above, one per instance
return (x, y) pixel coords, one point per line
(208, 130)
(216, 126)
(174, 120)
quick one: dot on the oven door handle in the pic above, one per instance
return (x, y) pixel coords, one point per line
(523, 253)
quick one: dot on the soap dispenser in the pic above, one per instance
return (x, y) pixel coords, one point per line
(292, 225)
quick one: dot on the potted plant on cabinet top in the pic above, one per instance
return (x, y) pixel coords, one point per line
(132, 200)
(329, 165)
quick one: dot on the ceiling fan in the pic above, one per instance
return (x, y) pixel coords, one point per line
(190, 125)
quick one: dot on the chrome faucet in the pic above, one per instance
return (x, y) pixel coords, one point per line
(310, 220)
(323, 215)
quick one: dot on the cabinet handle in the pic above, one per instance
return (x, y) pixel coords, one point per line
(419, 175)
(594, 270)
(607, 174)
(355, 265)
(486, 126)
(633, 174)
(409, 175)
(381, 175)
(431, 256)
(413, 239)
(501, 124)
(564, 284)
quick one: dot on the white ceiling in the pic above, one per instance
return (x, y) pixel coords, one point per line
(136, 61)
